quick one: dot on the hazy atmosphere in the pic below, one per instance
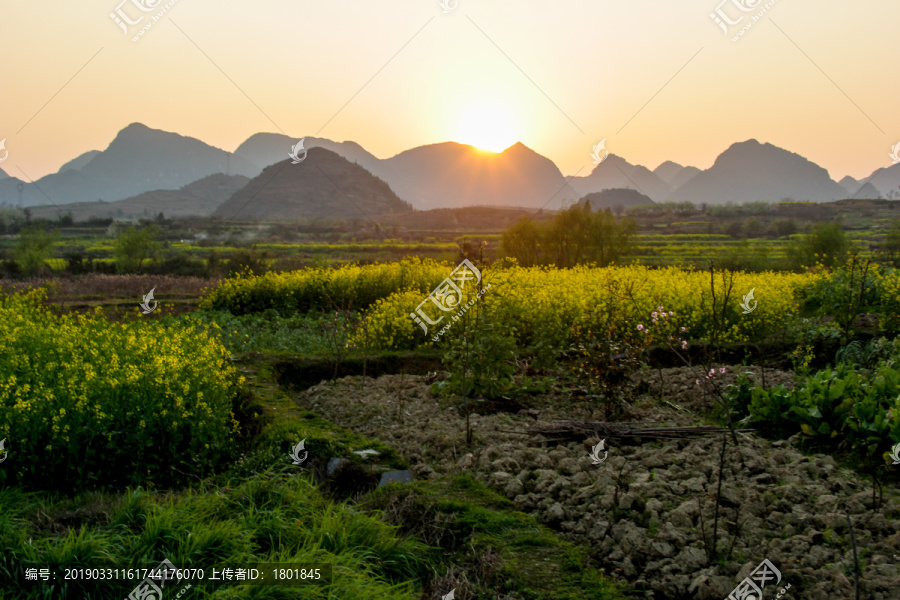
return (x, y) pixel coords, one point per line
(659, 81)
(449, 300)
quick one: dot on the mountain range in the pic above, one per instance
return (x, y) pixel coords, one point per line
(141, 160)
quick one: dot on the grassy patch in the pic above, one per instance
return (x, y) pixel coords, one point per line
(492, 547)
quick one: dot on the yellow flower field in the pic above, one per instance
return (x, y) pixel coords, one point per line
(81, 397)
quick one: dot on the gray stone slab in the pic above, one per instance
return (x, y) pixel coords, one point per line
(395, 477)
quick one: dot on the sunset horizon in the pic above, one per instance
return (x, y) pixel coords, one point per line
(392, 79)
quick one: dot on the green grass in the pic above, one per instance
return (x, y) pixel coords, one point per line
(500, 549)
(263, 509)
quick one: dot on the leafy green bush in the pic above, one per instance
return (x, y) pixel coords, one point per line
(480, 358)
(842, 293)
(857, 410)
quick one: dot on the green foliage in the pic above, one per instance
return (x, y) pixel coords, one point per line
(865, 355)
(889, 248)
(135, 245)
(612, 345)
(33, 249)
(90, 403)
(826, 243)
(265, 519)
(842, 293)
(244, 262)
(574, 236)
(268, 331)
(480, 358)
(841, 407)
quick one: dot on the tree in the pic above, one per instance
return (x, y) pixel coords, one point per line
(135, 245)
(890, 246)
(522, 241)
(784, 227)
(826, 243)
(753, 228)
(34, 248)
(574, 236)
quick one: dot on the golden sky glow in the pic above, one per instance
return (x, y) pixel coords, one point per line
(658, 80)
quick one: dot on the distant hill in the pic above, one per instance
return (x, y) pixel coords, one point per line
(616, 172)
(138, 160)
(264, 149)
(750, 171)
(887, 180)
(324, 185)
(674, 174)
(850, 184)
(78, 163)
(612, 198)
(867, 192)
(453, 175)
(200, 198)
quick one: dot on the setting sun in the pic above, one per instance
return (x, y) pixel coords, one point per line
(487, 126)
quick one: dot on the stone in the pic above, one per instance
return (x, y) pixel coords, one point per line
(334, 464)
(514, 488)
(556, 512)
(395, 477)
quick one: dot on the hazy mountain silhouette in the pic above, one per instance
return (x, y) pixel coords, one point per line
(674, 174)
(199, 199)
(455, 175)
(444, 175)
(611, 198)
(78, 163)
(886, 179)
(866, 191)
(616, 172)
(138, 160)
(324, 185)
(850, 184)
(750, 171)
(264, 149)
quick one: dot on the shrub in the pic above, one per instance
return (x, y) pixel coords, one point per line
(840, 407)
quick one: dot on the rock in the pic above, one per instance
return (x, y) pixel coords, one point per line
(568, 466)
(556, 512)
(690, 560)
(465, 462)
(334, 464)
(543, 479)
(599, 530)
(663, 549)
(506, 464)
(514, 488)
(395, 477)
(683, 516)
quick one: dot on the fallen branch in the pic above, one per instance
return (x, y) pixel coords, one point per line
(572, 429)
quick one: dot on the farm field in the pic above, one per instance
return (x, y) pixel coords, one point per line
(178, 427)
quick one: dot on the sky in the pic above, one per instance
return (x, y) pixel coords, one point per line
(657, 80)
